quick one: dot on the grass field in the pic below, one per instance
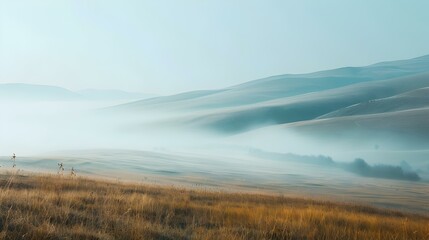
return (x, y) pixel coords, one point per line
(53, 207)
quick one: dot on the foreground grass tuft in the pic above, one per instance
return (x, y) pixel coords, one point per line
(52, 207)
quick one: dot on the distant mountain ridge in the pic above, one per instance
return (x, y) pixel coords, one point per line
(25, 92)
(309, 106)
(113, 94)
(282, 86)
(395, 91)
(33, 92)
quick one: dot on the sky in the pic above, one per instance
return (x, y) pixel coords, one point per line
(165, 47)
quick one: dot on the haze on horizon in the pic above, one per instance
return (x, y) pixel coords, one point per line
(166, 47)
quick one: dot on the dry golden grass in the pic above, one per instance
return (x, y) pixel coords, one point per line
(51, 207)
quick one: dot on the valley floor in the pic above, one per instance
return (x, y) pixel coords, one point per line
(55, 207)
(239, 173)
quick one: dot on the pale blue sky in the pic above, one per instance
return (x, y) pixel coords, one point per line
(172, 46)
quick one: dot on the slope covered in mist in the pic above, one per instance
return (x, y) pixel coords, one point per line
(112, 94)
(383, 100)
(410, 100)
(306, 107)
(410, 127)
(281, 86)
(22, 92)
(30, 92)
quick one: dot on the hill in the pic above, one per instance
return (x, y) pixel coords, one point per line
(410, 100)
(286, 99)
(310, 106)
(31, 92)
(282, 86)
(112, 94)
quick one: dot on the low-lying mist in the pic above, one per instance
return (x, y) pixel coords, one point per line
(359, 166)
(150, 145)
(38, 127)
(30, 128)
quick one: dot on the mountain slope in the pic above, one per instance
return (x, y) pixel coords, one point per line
(26, 92)
(282, 86)
(288, 100)
(32, 92)
(112, 94)
(410, 100)
(408, 128)
(305, 107)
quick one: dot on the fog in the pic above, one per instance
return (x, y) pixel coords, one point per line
(359, 166)
(31, 128)
(37, 127)
(158, 147)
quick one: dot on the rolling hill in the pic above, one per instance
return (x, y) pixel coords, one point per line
(309, 106)
(410, 100)
(324, 101)
(32, 92)
(112, 94)
(281, 86)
